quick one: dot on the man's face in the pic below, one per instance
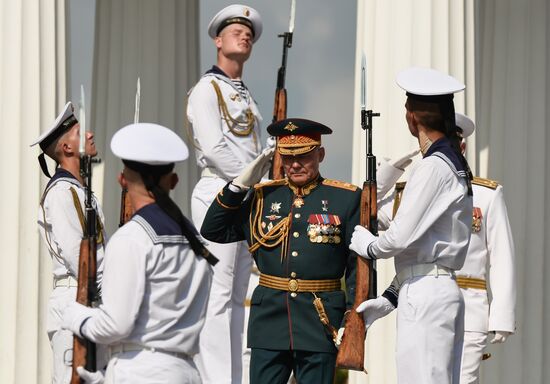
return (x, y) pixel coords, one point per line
(235, 41)
(304, 168)
(73, 138)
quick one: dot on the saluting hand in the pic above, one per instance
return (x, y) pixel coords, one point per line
(254, 171)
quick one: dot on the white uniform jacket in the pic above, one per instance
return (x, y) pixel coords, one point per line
(220, 124)
(60, 226)
(434, 219)
(155, 288)
(491, 245)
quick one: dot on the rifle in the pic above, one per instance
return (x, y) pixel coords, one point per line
(84, 351)
(126, 210)
(280, 105)
(351, 354)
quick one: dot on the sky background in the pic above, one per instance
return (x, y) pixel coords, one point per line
(320, 67)
(320, 64)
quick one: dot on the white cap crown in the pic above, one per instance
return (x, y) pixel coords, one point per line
(428, 82)
(149, 143)
(465, 124)
(236, 13)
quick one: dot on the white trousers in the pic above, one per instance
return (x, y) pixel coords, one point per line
(430, 331)
(61, 341)
(219, 359)
(136, 367)
(472, 353)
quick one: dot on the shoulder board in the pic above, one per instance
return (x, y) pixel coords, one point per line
(485, 182)
(340, 184)
(271, 183)
(400, 186)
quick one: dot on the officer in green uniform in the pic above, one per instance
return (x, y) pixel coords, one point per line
(298, 230)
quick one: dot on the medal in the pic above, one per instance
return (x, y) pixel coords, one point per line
(298, 202)
(476, 219)
(325, 205)
(275, 207)
(337, 239)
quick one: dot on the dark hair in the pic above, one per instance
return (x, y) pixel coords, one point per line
(151, 175)
(438, 113)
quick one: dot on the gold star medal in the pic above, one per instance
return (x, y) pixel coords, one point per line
(298, 202)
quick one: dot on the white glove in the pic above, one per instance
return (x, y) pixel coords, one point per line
(500, 337)
(374, 309)
(73, 317)
(90, 377)
(404, 161)
(360, 241)
(254, 171)
(339, 337)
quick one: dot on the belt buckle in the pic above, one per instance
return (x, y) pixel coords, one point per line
(293, 285)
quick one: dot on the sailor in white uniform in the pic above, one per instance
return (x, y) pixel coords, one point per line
(428, 238)
(491, 252)
(490, 257)
(157, 274)
(61, 225)
(225, 126)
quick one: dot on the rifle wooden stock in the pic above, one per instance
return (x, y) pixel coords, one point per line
(126, 210)
(351, 354)
(84, 350)
(279, 113)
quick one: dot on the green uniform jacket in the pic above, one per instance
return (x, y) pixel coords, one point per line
(280, 320)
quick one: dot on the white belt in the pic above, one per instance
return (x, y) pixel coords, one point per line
(128, 347)
(423, 270)
(209, 172)
(65, 281)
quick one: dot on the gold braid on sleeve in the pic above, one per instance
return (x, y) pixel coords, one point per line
(277, 235)
(247, 126)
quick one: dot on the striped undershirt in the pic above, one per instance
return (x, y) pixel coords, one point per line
(241, 88)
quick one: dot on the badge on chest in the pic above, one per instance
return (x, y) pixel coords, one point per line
(324, 228)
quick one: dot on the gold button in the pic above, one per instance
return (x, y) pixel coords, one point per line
(296, 234)
(294, 253)
(297, 215)
(293, 274)
(293, 294)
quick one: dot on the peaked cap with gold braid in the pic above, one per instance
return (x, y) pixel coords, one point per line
(297, 136)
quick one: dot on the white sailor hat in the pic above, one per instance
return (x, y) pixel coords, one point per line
(236, 13)
(149, 144)
(466, 125)
(63, 122)
(428, 82)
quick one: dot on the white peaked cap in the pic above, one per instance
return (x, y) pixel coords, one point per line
(428, 82)
(236, 13)
(465, 124)
(148, 143)
(47, 137)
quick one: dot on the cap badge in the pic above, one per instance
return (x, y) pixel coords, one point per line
(246, 12)
(291, 126)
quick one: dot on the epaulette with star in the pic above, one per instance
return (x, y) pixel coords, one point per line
(340, 184)
(271, 183)
(485, 182)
